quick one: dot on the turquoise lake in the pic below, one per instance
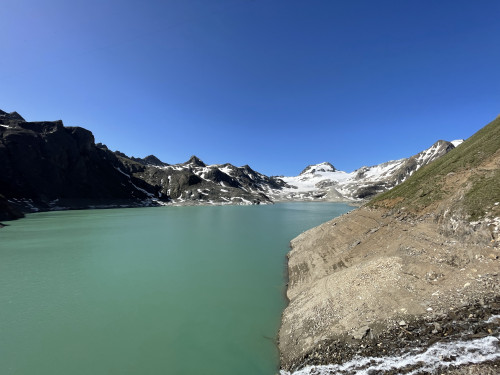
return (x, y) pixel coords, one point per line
(168, 290)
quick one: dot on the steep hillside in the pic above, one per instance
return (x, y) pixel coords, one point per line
(409, 280)
(46, 165)
(324, 182)
(465, 182)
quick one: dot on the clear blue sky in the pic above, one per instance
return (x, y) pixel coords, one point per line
(276, 84)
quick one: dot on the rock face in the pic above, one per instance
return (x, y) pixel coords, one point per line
(46, 165)
(324, 182)
(416, 267)
(7, 211)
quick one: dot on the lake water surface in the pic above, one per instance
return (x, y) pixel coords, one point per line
(170, 290)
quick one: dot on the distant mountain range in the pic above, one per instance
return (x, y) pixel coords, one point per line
(48, 166)
(194, 182)
(324, 182)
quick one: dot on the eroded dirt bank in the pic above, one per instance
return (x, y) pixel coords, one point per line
(371, 283)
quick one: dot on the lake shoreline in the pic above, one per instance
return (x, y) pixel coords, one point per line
(28, 208)
(416, 335)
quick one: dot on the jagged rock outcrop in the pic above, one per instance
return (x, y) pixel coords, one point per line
(416, 267)
(194, 182)
(195, 162)
(150, 160)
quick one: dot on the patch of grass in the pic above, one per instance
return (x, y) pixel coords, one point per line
(483, 195)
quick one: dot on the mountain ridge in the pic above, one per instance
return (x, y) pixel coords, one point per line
(50, 166)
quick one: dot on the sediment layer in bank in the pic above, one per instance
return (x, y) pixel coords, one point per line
(373, 284)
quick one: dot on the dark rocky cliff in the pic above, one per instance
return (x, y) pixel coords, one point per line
(46, 165)
(7, 211)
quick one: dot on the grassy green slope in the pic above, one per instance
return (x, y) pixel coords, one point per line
(431, 184)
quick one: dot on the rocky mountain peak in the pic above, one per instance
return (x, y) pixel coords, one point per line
(247, 169)
(153, 160)
(16, 116)
(322, 167)
(437, 150)
(194, 160)
(6, 118)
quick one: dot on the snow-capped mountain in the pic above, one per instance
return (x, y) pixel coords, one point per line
(322, 167)
(194, 182)
(324, 182)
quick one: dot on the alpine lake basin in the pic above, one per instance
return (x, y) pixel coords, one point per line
(163, 290)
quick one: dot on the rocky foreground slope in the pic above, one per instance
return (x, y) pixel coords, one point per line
(411, 278)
